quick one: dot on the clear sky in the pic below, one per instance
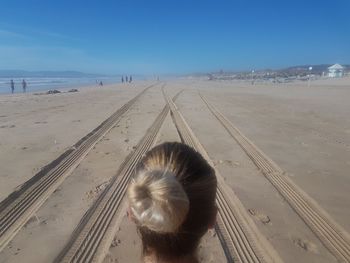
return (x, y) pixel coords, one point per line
(179, 36)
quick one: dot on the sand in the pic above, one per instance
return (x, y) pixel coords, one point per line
(306, 131)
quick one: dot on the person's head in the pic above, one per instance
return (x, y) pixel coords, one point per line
(172, 200)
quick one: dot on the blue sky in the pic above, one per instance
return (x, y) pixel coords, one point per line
(156, 37)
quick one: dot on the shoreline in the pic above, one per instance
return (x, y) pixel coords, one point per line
(62, 90)
(36, 87)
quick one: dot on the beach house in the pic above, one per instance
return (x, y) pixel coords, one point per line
(335, 71)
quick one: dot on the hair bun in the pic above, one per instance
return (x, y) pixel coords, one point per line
(158, 201)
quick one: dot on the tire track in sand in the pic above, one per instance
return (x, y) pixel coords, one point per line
(240, 238)
(331, 234)
(94, 234)
(19, 206)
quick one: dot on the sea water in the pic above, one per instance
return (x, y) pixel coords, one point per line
(49, 83)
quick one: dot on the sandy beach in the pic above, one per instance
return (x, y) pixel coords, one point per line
(302, 132)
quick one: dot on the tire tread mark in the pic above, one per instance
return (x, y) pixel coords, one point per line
(334, 237)
(19, 206)
(92, 237)
(241, 240)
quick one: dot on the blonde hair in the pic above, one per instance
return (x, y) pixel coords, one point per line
(172, 199)
(158, 201)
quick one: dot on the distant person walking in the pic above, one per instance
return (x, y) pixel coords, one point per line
(122, 79)
(126, 79)
(12, 86)
(130, 79)
(24, 86)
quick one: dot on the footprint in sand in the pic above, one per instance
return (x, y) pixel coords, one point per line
(34, 219)
(40, 122)
(304, 144)
(217, 162)
(95, 192)
(265, 219)
(305, 245)
(227, 162)
(3, 116)
(236, 164)
(115, 242)
(325, 153)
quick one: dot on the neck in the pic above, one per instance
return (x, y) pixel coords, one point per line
(153, 258)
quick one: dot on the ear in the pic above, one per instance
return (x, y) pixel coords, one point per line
(213, 219)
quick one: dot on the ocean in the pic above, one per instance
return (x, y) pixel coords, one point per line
(48, 83)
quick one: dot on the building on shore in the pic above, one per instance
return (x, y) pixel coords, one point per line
(335, 71)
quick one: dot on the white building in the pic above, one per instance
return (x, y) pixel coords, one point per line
(335, 71)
